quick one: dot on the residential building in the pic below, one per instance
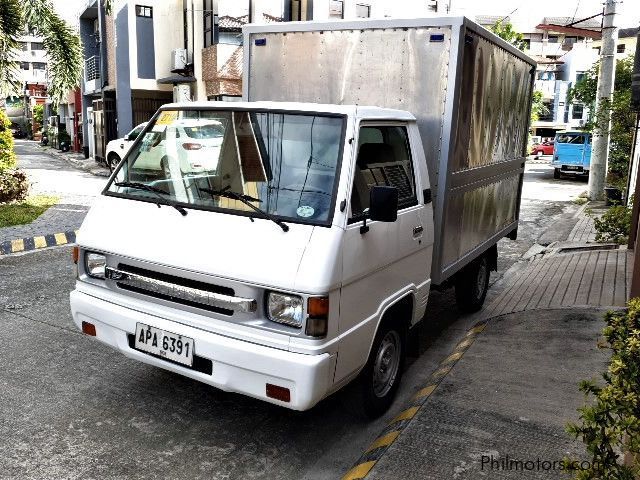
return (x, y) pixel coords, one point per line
(625, 44)
(562, 47)
(33, 62)
(144, 40)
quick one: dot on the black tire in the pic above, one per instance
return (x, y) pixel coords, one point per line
(371, 395)
(556, 173)
(472, 283)
(112, 161)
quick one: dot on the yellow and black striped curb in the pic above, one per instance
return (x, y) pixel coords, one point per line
(40, 241)
(392, 431)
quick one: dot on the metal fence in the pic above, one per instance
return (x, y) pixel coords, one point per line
(92, 68)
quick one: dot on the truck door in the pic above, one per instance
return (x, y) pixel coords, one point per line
(389, 258)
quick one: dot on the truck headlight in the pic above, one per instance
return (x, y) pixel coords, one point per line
(94, 264)
(286, 309)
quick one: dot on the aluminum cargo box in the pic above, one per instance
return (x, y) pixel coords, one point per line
(469, 90)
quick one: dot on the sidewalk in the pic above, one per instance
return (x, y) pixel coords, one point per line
(78, 161)
(497, 406)
(58, 225)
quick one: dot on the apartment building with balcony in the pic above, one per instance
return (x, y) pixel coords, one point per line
(563, 49)
(32, 64)
(129, 69)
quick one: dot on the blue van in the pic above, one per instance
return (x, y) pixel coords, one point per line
(571, 153)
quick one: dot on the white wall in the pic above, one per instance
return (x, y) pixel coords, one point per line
(167, 35)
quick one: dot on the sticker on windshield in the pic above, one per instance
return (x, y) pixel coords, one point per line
(167, 117)
(305, 211)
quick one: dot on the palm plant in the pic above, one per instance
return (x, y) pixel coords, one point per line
(61, 43)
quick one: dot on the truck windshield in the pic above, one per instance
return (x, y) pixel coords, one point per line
(285, 163)
(566, 138)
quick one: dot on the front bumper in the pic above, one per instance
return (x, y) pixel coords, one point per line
(237, 366)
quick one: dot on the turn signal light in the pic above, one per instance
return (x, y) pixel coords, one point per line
(75, 254)
(318, 316)
(318, 306)
(279, 393)
(89, 329)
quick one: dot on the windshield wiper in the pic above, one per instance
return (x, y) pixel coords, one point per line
(158, 192)
(246, 199)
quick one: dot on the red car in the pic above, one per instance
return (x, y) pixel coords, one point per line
(544, 148)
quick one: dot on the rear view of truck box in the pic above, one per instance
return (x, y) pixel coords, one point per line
(469, 90)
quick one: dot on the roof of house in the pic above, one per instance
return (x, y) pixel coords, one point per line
(628, 32)
(227, 23)
(592, 23)
(232, 24)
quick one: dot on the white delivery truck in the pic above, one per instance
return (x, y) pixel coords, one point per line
(370, 162)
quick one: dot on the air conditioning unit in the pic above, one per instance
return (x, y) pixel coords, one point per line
(182, 93)
(178, 59)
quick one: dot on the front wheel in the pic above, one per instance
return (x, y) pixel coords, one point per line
(472, 283)
(379, 380)
(112, 160)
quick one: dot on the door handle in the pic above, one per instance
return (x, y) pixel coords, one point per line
(417, 230)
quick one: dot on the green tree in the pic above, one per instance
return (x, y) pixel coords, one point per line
(505, 31)
(61, 42)
(7, 155)
(537, 106)
(622, 116)
(38, 112)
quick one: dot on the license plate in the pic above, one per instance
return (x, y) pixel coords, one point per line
(572, 167)
(164, 344)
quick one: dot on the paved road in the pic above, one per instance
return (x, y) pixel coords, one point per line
(52, 176)
(72, 408)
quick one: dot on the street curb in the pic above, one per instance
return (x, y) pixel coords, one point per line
(39, 241)
(392, 431)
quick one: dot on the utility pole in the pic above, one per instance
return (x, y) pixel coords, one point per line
(600, 147)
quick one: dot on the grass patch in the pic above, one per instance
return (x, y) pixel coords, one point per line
(20, 213)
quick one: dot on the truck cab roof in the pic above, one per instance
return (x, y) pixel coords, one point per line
(359, 111)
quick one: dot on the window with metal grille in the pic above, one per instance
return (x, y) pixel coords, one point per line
(208, 22)
(144, 11)
(39, 66)
(37, 46)
(621, 48)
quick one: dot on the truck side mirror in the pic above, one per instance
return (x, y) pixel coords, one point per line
(383, 206)
(383, 203)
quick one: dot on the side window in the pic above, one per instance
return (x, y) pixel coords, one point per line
(384, 158)
(133, 134)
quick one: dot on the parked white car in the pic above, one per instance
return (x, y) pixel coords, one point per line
(118, 148)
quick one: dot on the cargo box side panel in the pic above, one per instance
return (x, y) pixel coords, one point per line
(488, 153)
(402, 68)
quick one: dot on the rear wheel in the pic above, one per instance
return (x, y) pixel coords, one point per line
(472, 283)
(556, 173)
